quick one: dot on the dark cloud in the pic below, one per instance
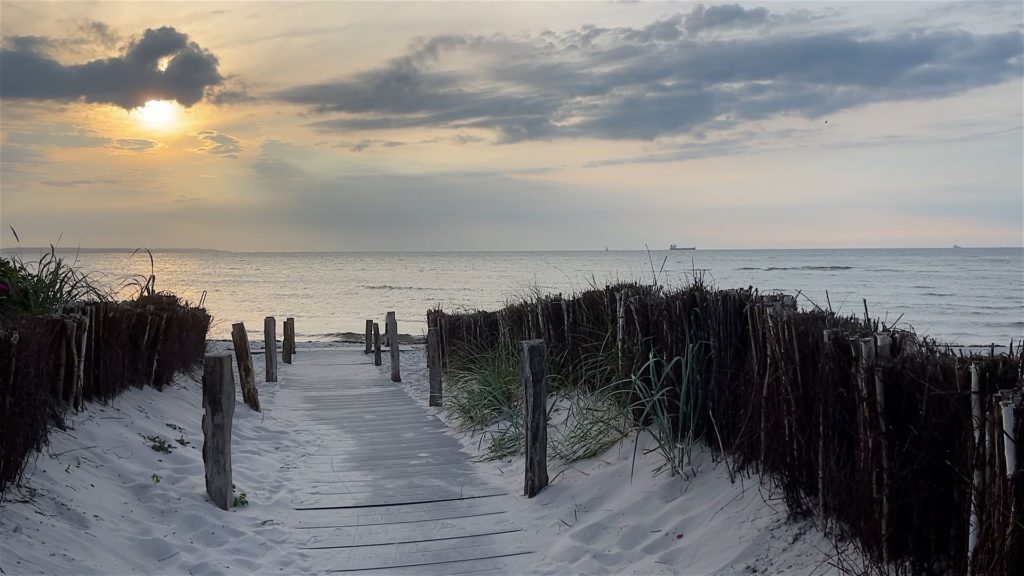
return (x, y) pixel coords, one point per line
(663, 79)
(161, 65)
(219, 144)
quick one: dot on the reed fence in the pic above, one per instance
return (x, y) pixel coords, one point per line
(92, 351)
(867, 428)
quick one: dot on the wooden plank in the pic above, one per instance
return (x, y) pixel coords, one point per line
(243, 358)
(218, 412)
(533, 372)
(270, 350)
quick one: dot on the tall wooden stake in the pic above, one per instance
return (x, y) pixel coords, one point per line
(975, 525)
(243, 357)
(532, 371)
(286, 344)
(270, 337)
(434, 364)
(376, 345)
(369, 337)
(392, 326)
(218, 412)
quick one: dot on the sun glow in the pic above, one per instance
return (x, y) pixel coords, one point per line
(159, 114)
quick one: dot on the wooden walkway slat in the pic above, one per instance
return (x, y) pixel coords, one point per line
(386, 489)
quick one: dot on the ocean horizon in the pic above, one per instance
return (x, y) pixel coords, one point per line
(968, 297)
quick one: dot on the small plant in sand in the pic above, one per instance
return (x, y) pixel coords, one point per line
(667, 396)
(156, 478)
(240, 499)
(158, 444)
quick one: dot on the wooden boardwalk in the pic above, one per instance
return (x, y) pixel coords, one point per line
(386, 490)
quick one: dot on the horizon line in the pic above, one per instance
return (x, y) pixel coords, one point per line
(645, 249)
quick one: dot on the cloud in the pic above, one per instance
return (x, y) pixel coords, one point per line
(361, 145)
(219, 144)
(663, 79)
(724, 16)
(161, 65)
(134, 144)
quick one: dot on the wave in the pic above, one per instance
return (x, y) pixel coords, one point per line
(784, 268)
(390, 287)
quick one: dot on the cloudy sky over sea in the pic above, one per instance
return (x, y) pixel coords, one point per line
(527, 125)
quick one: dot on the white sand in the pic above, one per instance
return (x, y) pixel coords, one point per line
(90, 504)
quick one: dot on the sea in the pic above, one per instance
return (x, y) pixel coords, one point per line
(959, 296)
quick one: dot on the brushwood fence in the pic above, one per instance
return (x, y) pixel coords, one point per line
(92, 351)
(868, 428)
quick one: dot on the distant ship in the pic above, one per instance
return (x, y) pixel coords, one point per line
(674, 247)
(956, 247)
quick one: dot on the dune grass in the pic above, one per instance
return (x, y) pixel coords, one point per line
(44, 286)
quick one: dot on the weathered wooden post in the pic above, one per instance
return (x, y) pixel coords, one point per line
(392, 327)
(218, 411)
(286, 343)
(532, 371)
(246, 378)
(376, 345)
(434, 364)
(883, 354)
(975, 521)
(369, 337)
(270, 337)
(620, 319)
(291, 335)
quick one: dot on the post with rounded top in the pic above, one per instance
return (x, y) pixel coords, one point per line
(392, 327)
(376, 345)
(533, 372)
(218, 412)
(369, 336)
(434, 364)
(270, 339)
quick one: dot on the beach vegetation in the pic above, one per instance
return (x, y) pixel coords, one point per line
(43, 286)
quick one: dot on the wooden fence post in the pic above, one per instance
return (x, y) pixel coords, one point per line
(288, 346)
(369, 337)
(270, 337)
(218, 411)
(392, 327)
(620, 316)
(295, 350)
(532, 371)
(286, 341)
(434, 364)
(376, 345)
(243, 357)
(975, 521)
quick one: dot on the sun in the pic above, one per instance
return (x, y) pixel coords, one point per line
(159, 114)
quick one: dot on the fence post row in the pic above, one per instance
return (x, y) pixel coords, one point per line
(434, 364)
(243, 357)
(532, 371)
(218, 412)
(392, 328)
(270, 337)
(376, 345)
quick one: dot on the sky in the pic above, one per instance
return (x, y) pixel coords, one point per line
(332, 126)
